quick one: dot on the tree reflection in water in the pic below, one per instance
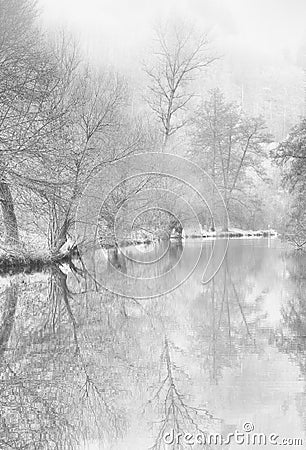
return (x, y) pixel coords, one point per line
(81, 365)
(178, 416)
(54, 390)
(227, 324)
(290, 337)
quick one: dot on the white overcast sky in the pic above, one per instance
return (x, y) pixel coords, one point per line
(120, 30)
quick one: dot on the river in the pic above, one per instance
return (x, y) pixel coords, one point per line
(84, 368)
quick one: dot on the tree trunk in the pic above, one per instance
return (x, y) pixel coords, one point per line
(226, 216)
(177, 227)
(58, 228)
(212, 225)
(8, 214)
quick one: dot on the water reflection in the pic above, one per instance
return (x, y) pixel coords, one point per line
(82, 368)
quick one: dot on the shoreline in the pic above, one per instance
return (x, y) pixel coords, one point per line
(15, 263)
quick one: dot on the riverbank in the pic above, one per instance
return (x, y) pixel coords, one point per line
(11, 263)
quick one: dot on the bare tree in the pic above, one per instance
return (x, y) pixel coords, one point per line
(31, 106)
(179, 57)
(229, 146)
(16, 43)
(59, 123)
(99, 132)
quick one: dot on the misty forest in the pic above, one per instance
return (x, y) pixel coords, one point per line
(152, 238)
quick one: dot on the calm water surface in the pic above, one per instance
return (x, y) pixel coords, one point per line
(85, 369)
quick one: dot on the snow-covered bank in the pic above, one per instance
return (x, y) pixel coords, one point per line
(232, 233)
